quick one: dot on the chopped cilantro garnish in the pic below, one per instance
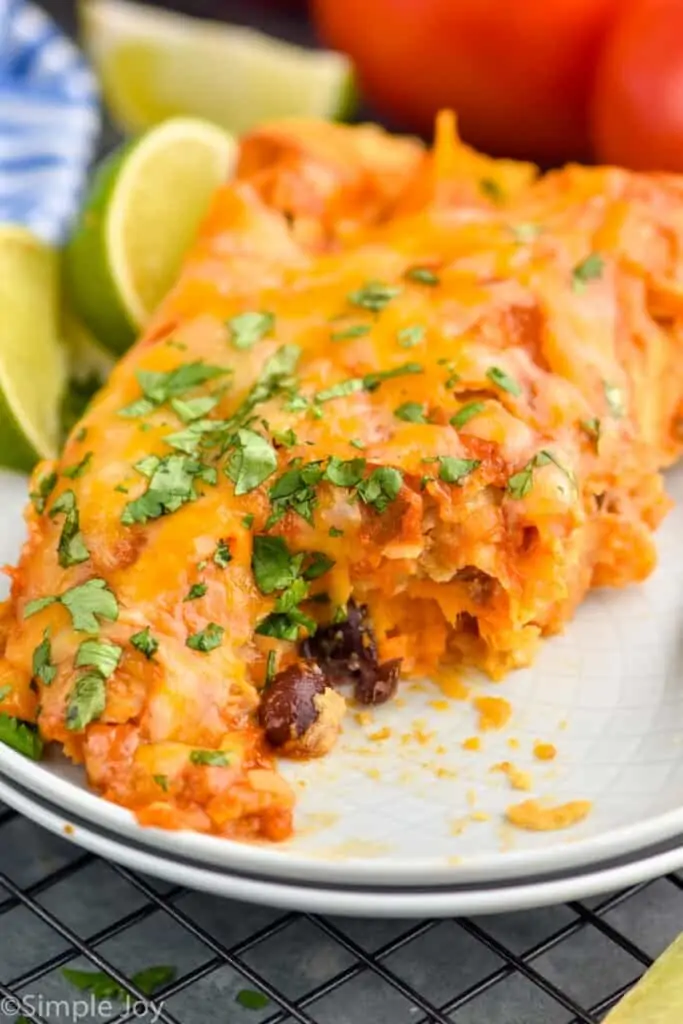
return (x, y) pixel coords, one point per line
(345, 472)
(161, 781)
(252, 462)
(355, 331)
(271, 668)
(196, 590)
(171, 484)
(371, 381)
(248, 328)
(158, 388)
(587, 270)
(212, 758)
(340, 390)
(71, 549)
(145, 643)
(206, 639)
(275, 377)
(614, 397)
(285, 438)
(285, 626)
(356, 442)
(466, 413)
(42, 666)
(411, 412)
(46, 485)
(519, 484)
(102, 655)
(320, 564)
(222, 556)
(453, 471)
(422, 275)
(121, 489)
(503, 381)
(334, 531)
(20, 736)
(381, 487)
(248, 521)
(274, 567)
(86, 701)
(373, 295)
(85, 603)
(5, 692)
(79, 468)
(193, 409)
(409, 337)
(295, 490)
(250, 999)
(491, 189)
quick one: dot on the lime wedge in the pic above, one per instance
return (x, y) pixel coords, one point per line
(144, 208)
(154, 64)
(89, 364)
(32, 364)
(658, 996)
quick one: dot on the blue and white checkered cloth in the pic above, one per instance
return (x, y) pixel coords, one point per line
(49, 121)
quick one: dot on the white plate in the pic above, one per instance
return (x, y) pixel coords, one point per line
(456, 900)
(399, 811)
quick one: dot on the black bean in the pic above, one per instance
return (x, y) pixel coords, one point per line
(378, 684)
(287, 707)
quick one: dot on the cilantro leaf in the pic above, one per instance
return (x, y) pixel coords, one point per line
(371, 381)
(466, 413)
(295, 490)
(411, 412)
(46, 485)
(423, 275)
(503, 381)
(72, 472)
(151, 979)
(145, 643)
(206, 639)
(587, 270)
(252, 1000)
(248, 328)
(355, 331)
(42, 666)
(102, 655)
(272, 563)
(194, 409)
(159, 387)
(593, 428)
(71, 549)
(97, 982)
(162, 782)
(320, 564)
(21, 736)
(253, 461)
(171, 485)
(33, 607)
(373, 295)
(520, 483)
(340, 390)
(88, 601)
(271, 668)
(275, 377)
(409, 337)
(5, 692)
(453, 471)
(285, 626)
(345, 472)
(381, 487)
(222, 556)
(195, 591)
(334, 531)
(86, 701)
(214, 758)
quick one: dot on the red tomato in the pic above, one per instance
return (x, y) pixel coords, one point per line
(517, 72)
(637, 110)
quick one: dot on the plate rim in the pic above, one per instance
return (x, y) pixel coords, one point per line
(276, 862)
(449, 901)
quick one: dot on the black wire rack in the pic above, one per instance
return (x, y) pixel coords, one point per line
(233, 963)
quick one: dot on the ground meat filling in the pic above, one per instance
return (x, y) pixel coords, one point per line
(347, 654)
